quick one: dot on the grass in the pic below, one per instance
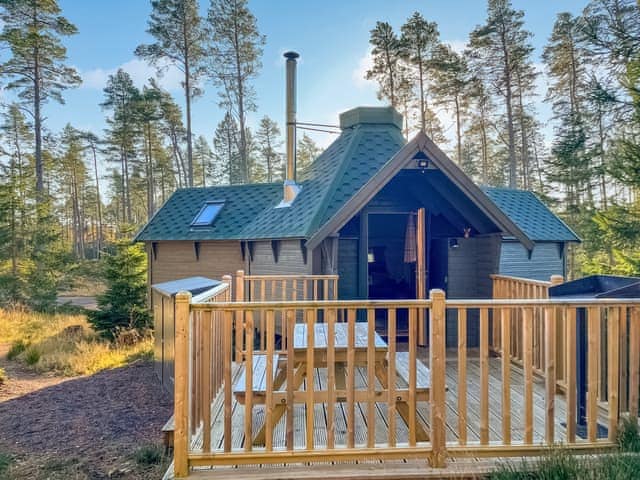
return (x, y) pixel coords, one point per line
(148, 455)
(5, 463)
(560, 464)
(65, 343)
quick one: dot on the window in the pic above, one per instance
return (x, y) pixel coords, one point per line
(207, 214)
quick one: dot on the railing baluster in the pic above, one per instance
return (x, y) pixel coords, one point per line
(331, 377)
(228, 328)
(248, 377)
(207, 318)
(351, 354)
(613, 369)
(269, 380)
(462, 375)
(413, 342)
(262, 328)
(290, 326)
(311, 320)
(484, 376)
(594, 354)
(527, 346)
(505, 315)
(550, 373)
(570, 362)
(391, 398)
(371, 378)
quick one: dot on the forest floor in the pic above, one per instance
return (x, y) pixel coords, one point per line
(92, 427)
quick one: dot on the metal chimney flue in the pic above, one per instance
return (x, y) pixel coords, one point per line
(291, 188)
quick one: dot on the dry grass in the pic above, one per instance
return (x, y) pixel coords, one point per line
(65, 344)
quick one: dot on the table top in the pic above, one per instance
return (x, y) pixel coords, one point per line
(341, 336)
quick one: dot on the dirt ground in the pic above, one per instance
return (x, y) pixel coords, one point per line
(80, 428)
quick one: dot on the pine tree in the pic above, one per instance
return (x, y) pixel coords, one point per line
(173, 128)
(32, 29)
(203, 161)
(180, 38)
(236, 50)
(148, 113)
(121, 97)
(92, 143)
(72, 173)
(385, 54)
(451, 85)
(307, 152)
(225, 147)
(498, 49)
(269, 143)
(124, 304)
(418, 41)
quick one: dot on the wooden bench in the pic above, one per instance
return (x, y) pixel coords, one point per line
(259, 370)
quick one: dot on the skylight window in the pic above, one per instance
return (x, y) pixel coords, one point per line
(207, 214)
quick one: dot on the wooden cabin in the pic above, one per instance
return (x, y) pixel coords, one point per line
(356, 215)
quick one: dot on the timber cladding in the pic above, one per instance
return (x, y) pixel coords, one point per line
(288, 259)
(174, 260)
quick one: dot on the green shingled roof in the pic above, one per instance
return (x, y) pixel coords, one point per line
(532, 216)
(369, 140)
(241, 205)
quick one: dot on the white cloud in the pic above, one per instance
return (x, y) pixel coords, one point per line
(140, 71)
(358, 74)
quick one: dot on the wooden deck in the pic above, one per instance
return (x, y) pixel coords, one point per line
(406, 468)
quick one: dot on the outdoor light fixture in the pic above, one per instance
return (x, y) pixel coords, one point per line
(421, 160)
(453, 243)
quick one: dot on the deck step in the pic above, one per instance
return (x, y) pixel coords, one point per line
(387, 470)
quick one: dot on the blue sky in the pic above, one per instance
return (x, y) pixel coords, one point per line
(331, 36)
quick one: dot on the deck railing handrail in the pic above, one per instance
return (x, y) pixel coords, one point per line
(529, 281)
(454, 303)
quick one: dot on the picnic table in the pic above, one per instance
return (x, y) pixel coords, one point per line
(360, 357)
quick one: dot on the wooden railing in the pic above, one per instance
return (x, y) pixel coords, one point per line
(507, 287)
(338, 392)
(281, 288)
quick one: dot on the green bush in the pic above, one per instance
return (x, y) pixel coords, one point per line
(124, 304)
(32, 356)
(16, 349)
(149, 455)
(629, 435)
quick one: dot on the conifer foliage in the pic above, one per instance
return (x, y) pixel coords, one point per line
(124, 304)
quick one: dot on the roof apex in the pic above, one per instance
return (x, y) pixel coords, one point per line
(370, 115)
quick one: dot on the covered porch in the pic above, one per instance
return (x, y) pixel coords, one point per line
(312, 382)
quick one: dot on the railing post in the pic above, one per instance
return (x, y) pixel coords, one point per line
(437, 363)
(238, 289)
(228, 279)
(181, 389)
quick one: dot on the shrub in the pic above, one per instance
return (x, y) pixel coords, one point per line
(124, 304)
(629, 435)
(32, 356)
(16, 349)
(149, 455)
